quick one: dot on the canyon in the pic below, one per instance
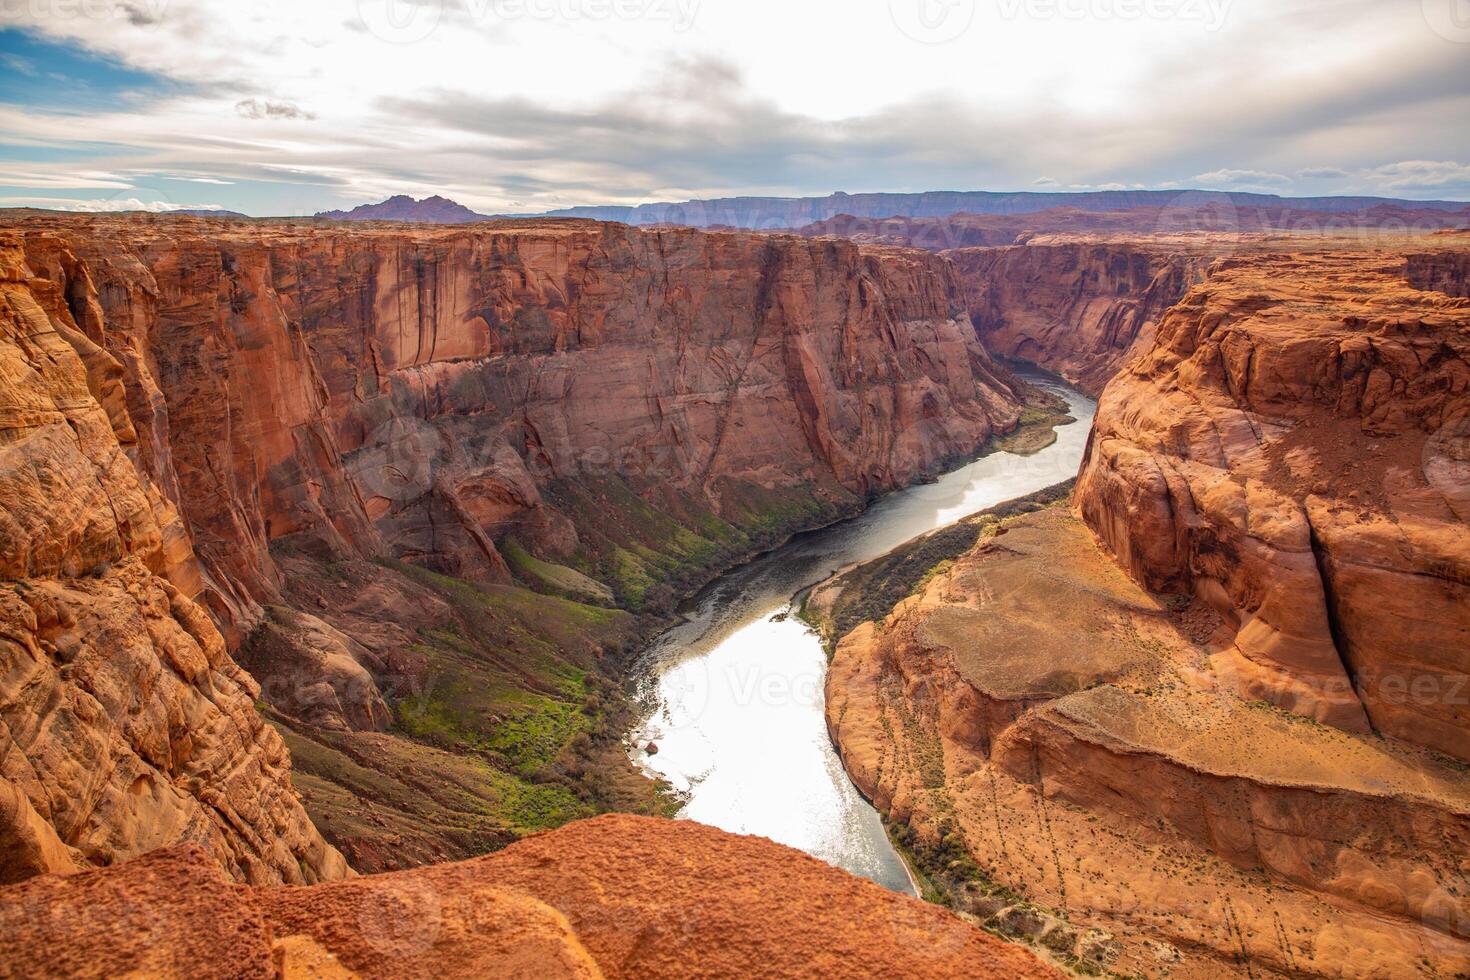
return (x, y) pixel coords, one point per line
(429, 486)
(1205, 703)
(329, 547)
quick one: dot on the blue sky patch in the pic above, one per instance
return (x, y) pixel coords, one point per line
(38, 73)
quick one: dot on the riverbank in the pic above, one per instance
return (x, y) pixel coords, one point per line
(735, 688)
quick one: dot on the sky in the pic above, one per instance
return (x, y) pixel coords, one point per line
(288, 107)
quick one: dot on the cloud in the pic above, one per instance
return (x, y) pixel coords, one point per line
(142, 14)
(1410, 176)
(17, 64)
(263, 109)
(1240, 178)
(103, 206)
(58, 179)
(193, 178)
(528, 113)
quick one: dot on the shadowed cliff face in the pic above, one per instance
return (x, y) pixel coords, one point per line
(424, 394)
(319, 433)
(1076, 308)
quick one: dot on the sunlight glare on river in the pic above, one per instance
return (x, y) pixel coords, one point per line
(737, 688)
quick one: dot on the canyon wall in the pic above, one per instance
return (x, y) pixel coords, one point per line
(124, 724)
(416, 394)
(1075, 308)
(1292, 451)
(1443, 270)
(1053, 747)
(326, 431)
(1216, 713)
(1078, 292)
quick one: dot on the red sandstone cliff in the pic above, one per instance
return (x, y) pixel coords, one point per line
(1056, 746)
(124, 724)
(1291, 451)
(1121, 721)
(1078, 292)
(415, 393)
(301, 409)
(1076, 308)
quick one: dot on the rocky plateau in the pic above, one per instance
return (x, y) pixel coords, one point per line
(1209, 708)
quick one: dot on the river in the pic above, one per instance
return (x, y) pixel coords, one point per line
(735, 691)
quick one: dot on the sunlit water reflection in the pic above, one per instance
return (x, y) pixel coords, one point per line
(736, 689)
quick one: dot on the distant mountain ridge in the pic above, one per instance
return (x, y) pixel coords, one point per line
(400, 207)
(771, 213)
(793, 212)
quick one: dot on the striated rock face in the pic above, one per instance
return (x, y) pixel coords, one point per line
(1292, 452)
(314, 672)
(612, 897)
(1443, 270)
(1218, 713)
(312, 433)
(1065, 761)
(424, 393)
(1076, 308)
(124, 724)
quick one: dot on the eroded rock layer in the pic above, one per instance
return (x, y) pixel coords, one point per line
(124, 724)
(424, 393)
(1291, 450)
(614, 897)
(1211, 716)
(1074, 307)
(1053, 745)
(318, 435)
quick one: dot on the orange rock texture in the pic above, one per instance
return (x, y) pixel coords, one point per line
(420, 392)
(124, 724)
(1292, 451)
(1066, 764)
(1211, 714)
(1078, 292)
(1078, 309)
(231, 421)
(614, 897)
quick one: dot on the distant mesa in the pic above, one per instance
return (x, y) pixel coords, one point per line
(993, 214)
(772, 213)
(400, 207)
